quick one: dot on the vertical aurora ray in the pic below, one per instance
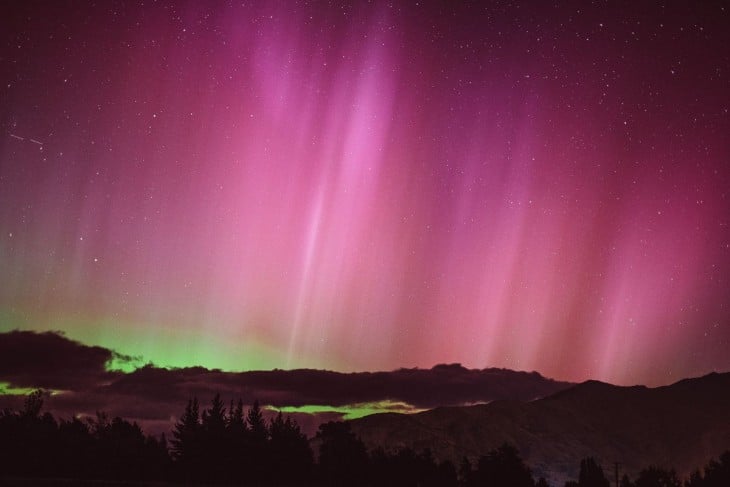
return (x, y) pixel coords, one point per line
(371, 186)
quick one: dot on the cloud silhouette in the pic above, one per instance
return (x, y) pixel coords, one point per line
(50, 360)
(155, 396)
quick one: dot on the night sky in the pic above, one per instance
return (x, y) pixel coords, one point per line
(371, 185)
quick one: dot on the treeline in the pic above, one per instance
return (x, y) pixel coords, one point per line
(36, 445)
(230, 446)
(715, 474)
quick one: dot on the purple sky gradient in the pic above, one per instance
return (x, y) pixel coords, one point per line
(369, 186)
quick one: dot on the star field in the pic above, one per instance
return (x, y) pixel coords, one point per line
(371, 185)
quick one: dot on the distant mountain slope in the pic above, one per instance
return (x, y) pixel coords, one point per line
(681, 426)
(155, 396)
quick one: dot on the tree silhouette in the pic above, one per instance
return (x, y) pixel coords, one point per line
(32, 405)
(76, 445)
(466, 474)
(214, 449)
(257, 424)
(123, 452)
(591, 474)
(657, 477)
(445, 475)
(256, 453)
(214, 419)
(716, 473)
(233, 448)
(187, 445)
(27, 438)
(236, 423)
(35, 445)
(290, 457)
(235, 443)
(343, 458)
(502, 467)
(406, 468)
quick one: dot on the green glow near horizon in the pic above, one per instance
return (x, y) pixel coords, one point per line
(7, 389)
(353, 411)
(165, 347)
(10, 390)
(162, 345)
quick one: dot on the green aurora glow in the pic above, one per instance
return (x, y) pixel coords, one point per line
(10, 390)
(162, 345)
(354, 411)
(137, 345)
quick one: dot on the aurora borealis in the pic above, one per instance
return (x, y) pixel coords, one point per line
(359, 186)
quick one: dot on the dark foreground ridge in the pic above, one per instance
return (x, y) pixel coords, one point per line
(151, 395)
(679, 426)
(230, 446)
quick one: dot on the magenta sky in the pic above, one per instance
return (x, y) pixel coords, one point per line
(371, 186)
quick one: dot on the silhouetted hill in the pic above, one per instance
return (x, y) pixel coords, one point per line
(680, 426)
(152, 395)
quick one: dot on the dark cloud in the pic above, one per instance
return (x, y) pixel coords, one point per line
(51, 361)
(156, 396)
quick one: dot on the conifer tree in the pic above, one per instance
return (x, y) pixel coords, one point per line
(343, 458)
(256, 424)
(186, 443)
(290, 456)
(591, 474)
(256, 459)
(214, 419)
(236, 423)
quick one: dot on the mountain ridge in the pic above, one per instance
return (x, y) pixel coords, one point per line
(680, 425)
